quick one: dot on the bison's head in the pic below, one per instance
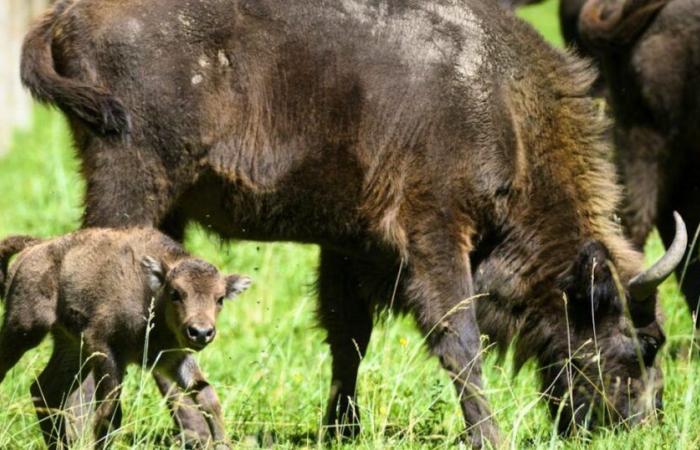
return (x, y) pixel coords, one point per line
(615, 23)
(192, 293)
(603, 368)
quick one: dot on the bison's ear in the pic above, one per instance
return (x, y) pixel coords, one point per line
(591, 285)
(155, 272)
(235, 284)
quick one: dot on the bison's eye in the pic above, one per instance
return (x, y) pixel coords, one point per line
(175, 295)
(650, 347)
(220, 301)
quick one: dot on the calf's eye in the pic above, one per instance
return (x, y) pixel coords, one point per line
(175, 295)
(220, 301)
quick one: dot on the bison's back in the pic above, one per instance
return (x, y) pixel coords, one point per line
(186, 63)
(317, 110)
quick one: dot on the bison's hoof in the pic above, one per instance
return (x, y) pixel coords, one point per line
(347, 430)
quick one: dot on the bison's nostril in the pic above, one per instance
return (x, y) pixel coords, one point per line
(192, 332)
(200, 335)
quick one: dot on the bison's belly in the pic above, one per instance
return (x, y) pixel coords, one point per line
(301, 213)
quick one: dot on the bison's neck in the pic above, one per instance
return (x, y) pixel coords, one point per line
(563, 195)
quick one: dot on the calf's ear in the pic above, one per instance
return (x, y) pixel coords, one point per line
(155, 272)
(235, 284)
(591, 285)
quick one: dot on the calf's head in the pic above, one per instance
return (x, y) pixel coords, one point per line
(192, 292)
(603, 366)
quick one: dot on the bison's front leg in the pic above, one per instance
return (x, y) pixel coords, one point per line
(347, 319)
(109, 372)
(440, 292)
(187, 416)
(189, 378)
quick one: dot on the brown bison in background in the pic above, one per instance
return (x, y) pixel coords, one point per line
(434, 150)
(650, 57)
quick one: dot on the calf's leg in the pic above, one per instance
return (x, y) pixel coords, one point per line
(14, 343)
(109, 373)
(141, 196)
(52, 388)
(185, 413)
(28, 318)
(189, 378)
(348, 322)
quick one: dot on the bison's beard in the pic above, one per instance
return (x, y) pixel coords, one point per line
(605, 391)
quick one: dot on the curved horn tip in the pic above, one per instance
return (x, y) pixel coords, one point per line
(643, 285)
(680, 239)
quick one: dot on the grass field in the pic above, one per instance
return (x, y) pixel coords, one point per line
(269, 363)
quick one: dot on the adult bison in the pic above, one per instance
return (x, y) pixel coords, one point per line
(434, 150)
(650, 57)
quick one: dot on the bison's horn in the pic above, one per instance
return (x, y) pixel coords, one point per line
(643, 285)
(599, 18)
(616, 22)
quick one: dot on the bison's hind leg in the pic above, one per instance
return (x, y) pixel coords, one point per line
(14, 343)
(59, 379)
(348, 321)
(28, 318)
(127, 185)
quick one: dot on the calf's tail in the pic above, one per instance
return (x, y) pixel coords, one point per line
(101, 111)
(8, 248)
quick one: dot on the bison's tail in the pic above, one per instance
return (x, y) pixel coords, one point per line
(96, 107)
(8, 248)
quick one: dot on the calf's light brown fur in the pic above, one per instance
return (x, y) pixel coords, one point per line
(94, 291)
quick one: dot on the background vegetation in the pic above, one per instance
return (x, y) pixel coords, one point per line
(269, 363)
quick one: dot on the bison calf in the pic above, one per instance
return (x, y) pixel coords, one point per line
(94, 291)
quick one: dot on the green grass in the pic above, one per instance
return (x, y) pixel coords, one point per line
(269, 363)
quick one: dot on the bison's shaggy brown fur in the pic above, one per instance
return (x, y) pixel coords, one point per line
(443, 141)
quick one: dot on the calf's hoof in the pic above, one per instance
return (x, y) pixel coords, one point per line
(484, 435)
